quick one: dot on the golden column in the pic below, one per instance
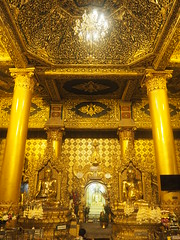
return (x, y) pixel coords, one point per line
(126, 138)
(54, 138)
(10, 180)
(55, 128)
(155, 82)
(126, 129)
(55, 131)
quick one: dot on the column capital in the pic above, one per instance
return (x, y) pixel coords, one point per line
(55, 133)
(126, 129)
(154, 80)
(126, 132)
(24, 77)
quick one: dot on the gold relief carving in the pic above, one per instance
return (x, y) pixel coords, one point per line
(39, 118)
(38, 114)
(39, 154)
(171, 206)
(35, 150)
(55, 134)
(5, 104)
(175, 57)
(143, 120)
(155, 83)
(91, 70)
(91, 87)
(4, 56)
(175, 117)
(109, 120)
(126, 134)
(156, 80)
(24, 78)
(9, 40)
(145, 155)
(129, 48)
(2, 148)
(177, 147)
(91, 109)
(80, 154)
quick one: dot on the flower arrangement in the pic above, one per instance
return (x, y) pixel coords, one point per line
(7, 216)
(33, 212)
(148, 214)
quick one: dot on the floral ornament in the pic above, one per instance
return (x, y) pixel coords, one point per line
(128, 209)
(148, 214)
(7, 216)
(33, 212)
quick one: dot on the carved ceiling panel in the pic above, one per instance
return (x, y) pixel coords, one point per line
(4, 56)
(143, 34)
(96, 87)
(46, 28)
(6, 83)
(175, 58)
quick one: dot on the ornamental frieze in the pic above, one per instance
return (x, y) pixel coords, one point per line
(91, 114)
(39, 112)
(141, 114)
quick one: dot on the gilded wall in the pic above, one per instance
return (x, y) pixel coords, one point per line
(141, 114)
(78, 151)
(103, 114)
(39, 112)
(77, 155)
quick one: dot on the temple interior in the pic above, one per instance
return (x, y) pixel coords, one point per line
(90, 119)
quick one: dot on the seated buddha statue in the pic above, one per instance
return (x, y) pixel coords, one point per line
(132, 187)
(47, 189)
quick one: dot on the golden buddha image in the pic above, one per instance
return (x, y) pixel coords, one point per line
(47, 187)
(132, 187)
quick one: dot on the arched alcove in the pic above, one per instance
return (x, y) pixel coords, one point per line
(95, 195)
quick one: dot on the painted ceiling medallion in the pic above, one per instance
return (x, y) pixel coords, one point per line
(92, 87)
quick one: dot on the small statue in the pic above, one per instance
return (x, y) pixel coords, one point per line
(47, 187)
(132, 187)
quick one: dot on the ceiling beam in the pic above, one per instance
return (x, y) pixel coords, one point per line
(10, 38)
(169, 39)
(129, 90)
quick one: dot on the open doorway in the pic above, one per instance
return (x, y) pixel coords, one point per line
(95, 198)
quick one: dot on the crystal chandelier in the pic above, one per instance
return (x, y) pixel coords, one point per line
(92, 28)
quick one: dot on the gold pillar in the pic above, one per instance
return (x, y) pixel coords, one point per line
(54, 136)
(126, 138)
(155, 82)
(12, 166)
(55, 128)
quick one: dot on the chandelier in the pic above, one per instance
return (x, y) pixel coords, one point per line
(92, 28)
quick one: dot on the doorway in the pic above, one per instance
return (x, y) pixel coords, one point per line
(95, 198)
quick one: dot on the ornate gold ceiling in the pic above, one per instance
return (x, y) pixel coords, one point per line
(143, 34)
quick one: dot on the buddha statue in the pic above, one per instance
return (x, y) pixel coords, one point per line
(132, 187)
(47, 188)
